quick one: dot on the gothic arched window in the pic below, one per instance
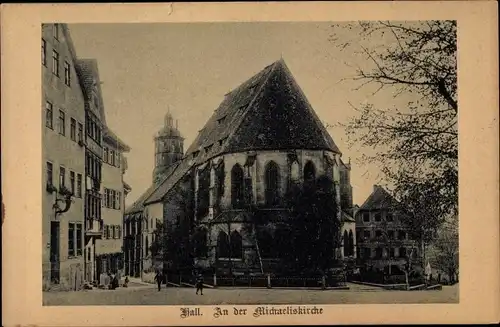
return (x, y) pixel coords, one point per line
(265, 243)
(237, 187)
(346, 244)
(351, 243)
(200, 242)
(203, 192)
(236, 245)
(222, 245)
(271, 179)
(309, 172)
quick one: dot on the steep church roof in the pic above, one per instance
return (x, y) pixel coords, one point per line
(379, 199)
(269, 111)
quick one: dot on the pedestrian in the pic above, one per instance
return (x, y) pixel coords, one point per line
(199, 283)
(158, 279)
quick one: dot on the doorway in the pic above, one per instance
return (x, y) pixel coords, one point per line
(54, 251)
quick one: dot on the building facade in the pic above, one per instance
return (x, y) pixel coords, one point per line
(263, 138)
(383, 239)
(94, 126)
(109, 248)
(63, 151)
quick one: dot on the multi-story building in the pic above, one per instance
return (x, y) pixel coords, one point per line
(94, 125)
(382, 238)
(63, 151)
(263, 138)
(109, 249)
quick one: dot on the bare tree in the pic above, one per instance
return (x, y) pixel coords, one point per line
(416, 143)
(446, 246)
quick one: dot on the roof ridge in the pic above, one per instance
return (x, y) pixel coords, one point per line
(250, 105)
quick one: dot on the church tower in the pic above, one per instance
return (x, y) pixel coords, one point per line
(169, 148)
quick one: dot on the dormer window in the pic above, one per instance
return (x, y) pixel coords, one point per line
(221, 141)
(208, 148)
(96, 101)
(195, 154)
(221, 120)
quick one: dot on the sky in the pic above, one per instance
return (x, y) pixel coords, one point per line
(148, 69)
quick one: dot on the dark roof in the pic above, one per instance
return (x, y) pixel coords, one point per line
(379, 199)
(87, 71)
(267, 112)
(138, 205)
(179, 171)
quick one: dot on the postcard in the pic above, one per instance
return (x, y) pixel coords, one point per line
(250, 163)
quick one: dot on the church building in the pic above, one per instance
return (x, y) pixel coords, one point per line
(231, 181)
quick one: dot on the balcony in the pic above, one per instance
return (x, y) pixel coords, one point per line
(93, 227)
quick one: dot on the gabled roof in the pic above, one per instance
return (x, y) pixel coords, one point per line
(138, 205)
(379, 199)
(111, 138)
(267, 112)
(88, 71)
(178, 172)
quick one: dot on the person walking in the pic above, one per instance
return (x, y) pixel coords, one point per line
(159, 279)
(199, 283)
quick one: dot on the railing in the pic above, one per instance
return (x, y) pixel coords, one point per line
(268, 281)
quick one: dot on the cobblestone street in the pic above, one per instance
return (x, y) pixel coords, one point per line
(148, 295)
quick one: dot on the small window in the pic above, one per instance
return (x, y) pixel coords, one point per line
(55, 62)
(112, 157)
(402, 235)
(71, 239)
(56, 31)
(117, 200)
(118, 159)
(72, 130)
(62, 123)
(378, 217)
(402, 252)
(49, 115)
(67, 73)
(366, 234)
(106, 231)
(79, 245)
(62, 176)
(79, 185)
(72, 181)
(50, 178)
(80, 132)
(44, 52)
(105, 158)
(378, 233)
(390, 234)
(106, 191)
(208, 148)
(195, 154)
(221, 120)
(366, 217)
(389, 217)
(391, 253)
